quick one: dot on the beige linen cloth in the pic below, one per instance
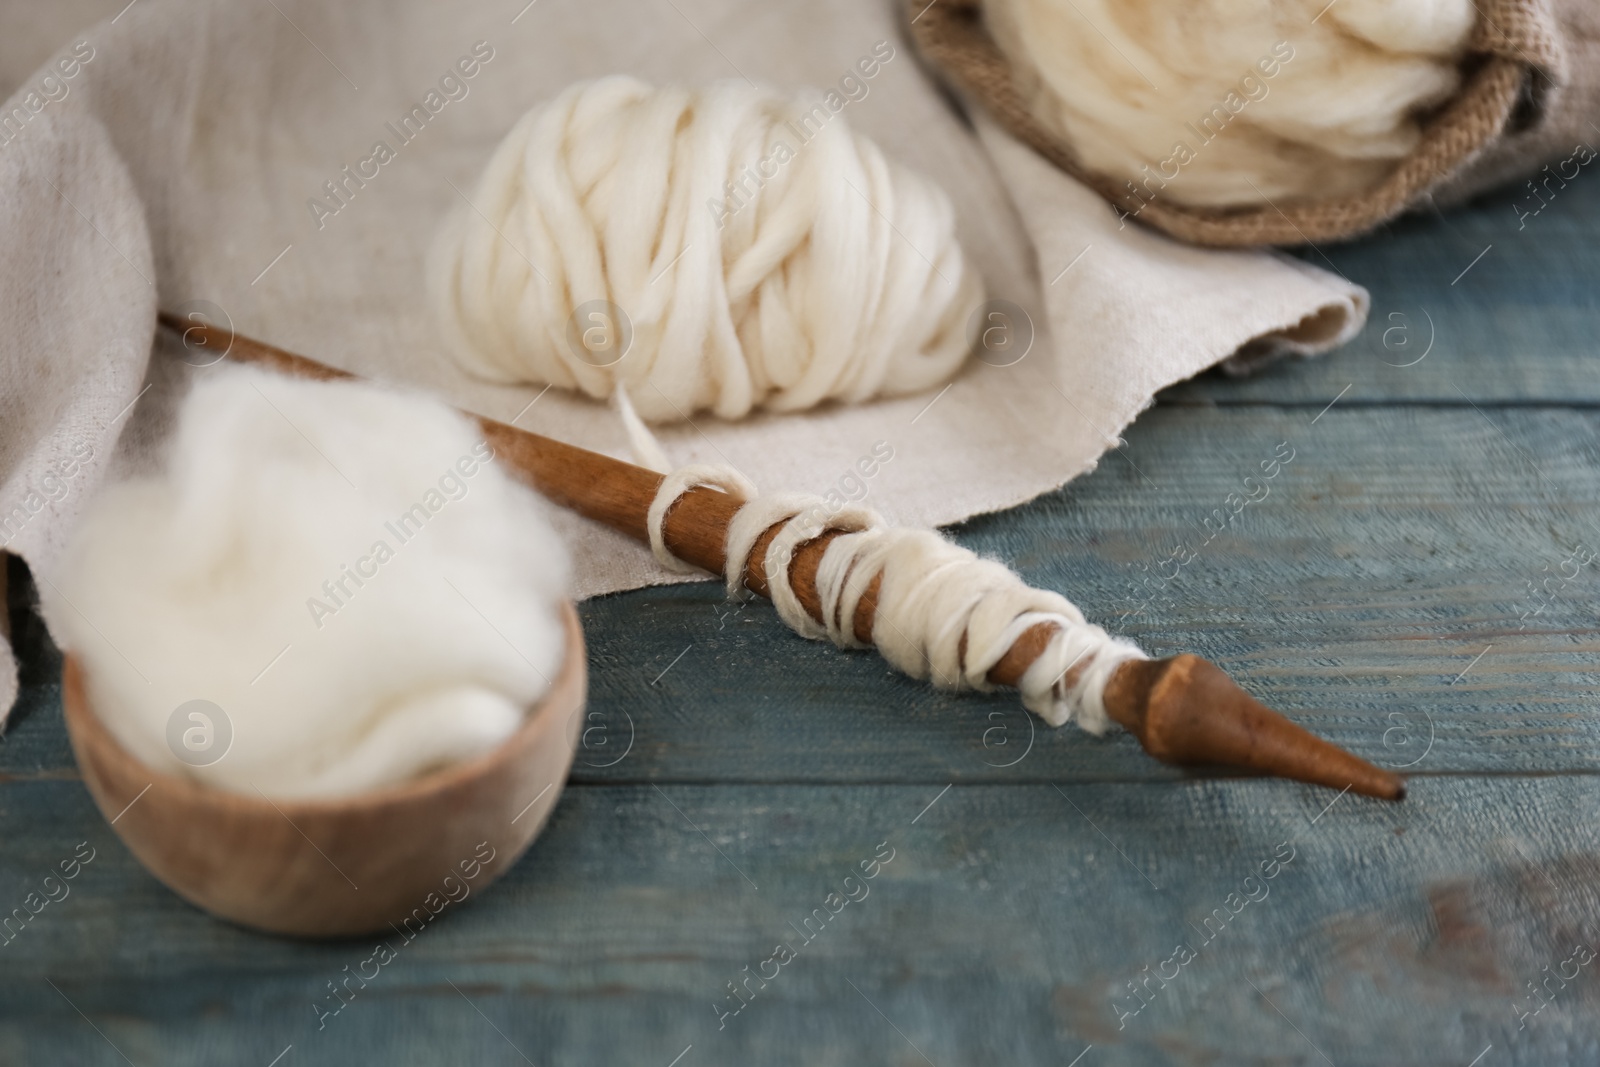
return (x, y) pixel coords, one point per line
(178, 162)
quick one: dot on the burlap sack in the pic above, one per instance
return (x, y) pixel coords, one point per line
(1531, 85)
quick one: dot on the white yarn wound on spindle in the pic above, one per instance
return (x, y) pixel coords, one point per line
(932, 593)
(676, 484)
(763, 254)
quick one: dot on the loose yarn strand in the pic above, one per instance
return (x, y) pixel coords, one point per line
(674, 486)
(647, 450)
(942, 612)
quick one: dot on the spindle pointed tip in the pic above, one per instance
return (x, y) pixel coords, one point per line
(1186, 710)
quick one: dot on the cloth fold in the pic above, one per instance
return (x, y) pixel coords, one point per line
(222, 159)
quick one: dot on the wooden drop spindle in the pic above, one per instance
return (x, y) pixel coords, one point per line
(1184, 710)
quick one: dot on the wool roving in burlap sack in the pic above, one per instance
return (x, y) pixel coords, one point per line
(1249, 122)
(724, 248)
(1222, 102)
(298, 603)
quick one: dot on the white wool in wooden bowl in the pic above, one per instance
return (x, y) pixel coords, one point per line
(340, 575)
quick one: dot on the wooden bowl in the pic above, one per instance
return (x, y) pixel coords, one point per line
(329, 868)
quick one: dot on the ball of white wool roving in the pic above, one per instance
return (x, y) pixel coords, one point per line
(341, 569)
(1225, 102)
(762, 253)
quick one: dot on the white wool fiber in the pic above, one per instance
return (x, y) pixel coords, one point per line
(722, 248)
(207, 583)
(1310, 100)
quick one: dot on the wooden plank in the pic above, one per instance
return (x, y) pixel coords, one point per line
(1357, 596)
(1004, 930)
(1518, 326)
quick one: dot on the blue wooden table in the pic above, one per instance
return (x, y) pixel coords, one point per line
(1416, 586)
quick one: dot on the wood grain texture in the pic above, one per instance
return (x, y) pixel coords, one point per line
(1003, 930)
(1516, 326)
